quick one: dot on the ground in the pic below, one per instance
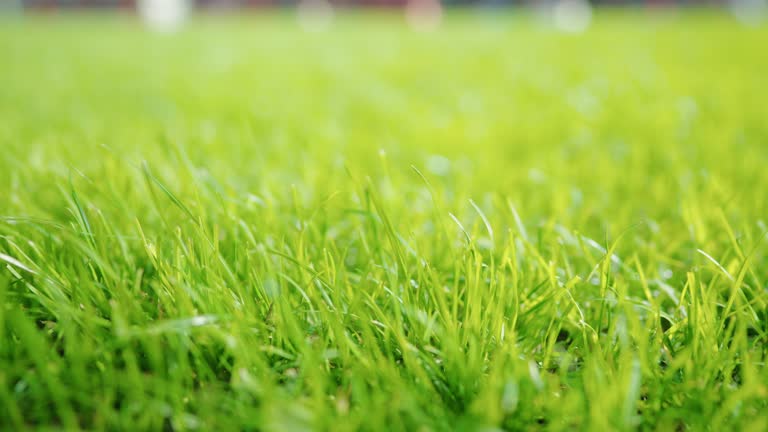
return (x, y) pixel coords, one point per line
(492, 226)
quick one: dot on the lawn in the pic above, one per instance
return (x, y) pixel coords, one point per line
(493, 226)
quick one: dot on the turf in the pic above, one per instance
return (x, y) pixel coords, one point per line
(495, 226)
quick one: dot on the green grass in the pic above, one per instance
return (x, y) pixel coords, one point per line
(248, 227)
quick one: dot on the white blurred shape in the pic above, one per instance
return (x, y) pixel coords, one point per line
(424, 15)
(572, 16)
(438, 165)
(537, 176)
(314, 15)
(164, 15)
(750, 12)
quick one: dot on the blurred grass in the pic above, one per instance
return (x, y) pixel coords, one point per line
(244, 226)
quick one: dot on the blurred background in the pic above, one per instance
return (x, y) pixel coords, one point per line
(568, 15)
(573, 16)
(235, 4)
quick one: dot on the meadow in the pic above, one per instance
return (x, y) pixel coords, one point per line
(491, 226)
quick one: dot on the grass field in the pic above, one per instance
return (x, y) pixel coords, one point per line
(494, 226)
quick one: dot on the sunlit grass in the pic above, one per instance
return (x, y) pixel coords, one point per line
(248, 227)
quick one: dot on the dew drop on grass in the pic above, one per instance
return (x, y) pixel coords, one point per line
(533, 371)
(20, 386)
(666, 274)
(510, 397)
(202, 320)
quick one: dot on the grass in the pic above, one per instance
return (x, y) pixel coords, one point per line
(493, 227)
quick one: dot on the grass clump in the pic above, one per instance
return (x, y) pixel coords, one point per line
(247, 227)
